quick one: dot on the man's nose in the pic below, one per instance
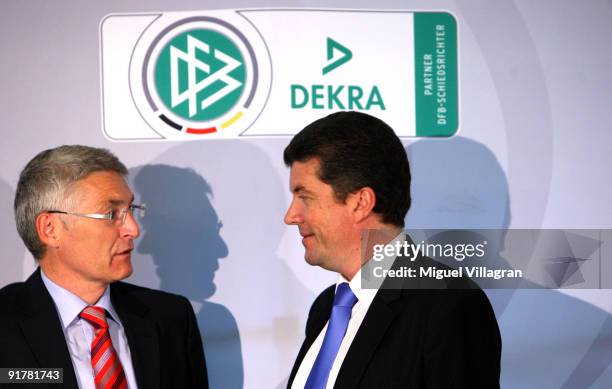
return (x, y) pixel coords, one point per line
(130, 227)
(293, 215)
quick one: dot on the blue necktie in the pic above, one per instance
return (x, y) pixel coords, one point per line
(336, 328)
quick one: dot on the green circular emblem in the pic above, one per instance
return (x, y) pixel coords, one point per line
(200, 75)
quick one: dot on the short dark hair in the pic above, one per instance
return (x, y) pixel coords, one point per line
(357, 150)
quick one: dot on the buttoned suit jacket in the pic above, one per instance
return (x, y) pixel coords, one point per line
(416, 338)
(161, 330)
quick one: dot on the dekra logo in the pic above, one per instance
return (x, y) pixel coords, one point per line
(320, 96)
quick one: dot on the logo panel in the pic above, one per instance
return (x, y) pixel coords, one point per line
(204, 75)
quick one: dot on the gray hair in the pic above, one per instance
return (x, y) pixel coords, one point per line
(46, 179)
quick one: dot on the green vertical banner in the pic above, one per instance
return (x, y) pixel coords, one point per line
(436, 73)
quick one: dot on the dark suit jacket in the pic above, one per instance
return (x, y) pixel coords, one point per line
(161, 329)
(416, 338)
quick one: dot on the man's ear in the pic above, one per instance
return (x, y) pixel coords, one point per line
(48, 229)
(363, 201)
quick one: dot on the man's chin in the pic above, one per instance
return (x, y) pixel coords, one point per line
(123, 272)
(128, 273)
(311, 260)
(315, 260)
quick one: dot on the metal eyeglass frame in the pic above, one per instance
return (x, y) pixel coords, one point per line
(120, 214)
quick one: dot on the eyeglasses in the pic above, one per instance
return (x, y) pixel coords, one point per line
(116, 216)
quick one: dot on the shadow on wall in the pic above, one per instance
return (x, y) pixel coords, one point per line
(181, 233)
(190, 188)
(550, 340)
(13, 250)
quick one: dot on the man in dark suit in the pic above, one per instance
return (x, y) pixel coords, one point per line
(75, 213)
(350, 174)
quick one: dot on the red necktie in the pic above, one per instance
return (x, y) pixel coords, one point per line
(107, 368)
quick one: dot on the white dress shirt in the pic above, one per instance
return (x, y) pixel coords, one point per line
(365, 298)
(79, 333)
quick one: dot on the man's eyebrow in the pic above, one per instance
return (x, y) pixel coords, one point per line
(301, 189)
(116, 202)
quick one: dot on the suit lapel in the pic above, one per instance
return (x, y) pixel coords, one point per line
(318, 317)
(367, 339)
(42, 329)
(142, 335)
(372, 330)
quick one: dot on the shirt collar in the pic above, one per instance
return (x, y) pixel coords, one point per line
(368, 294)
(69, 305)
(363, 295)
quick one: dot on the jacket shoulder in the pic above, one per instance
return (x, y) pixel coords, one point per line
(320, 310)
(9, 293)
(144, 294)
(324, 301)
(129, 297)
(11, 289)
(14, 301)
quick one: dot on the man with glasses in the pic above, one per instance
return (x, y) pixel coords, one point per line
(75, 213)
